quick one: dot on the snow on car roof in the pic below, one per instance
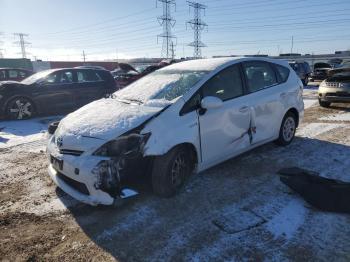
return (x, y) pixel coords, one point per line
(208, 64)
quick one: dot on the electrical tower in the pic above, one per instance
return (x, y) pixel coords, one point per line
(172, 50)
(197, 25)
(167, 22)
(84, 56)
(22, 43)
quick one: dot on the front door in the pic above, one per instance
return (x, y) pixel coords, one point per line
(225, 131)
(55, 92)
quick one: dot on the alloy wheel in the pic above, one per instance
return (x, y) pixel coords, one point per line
(288, 129)
(20, 108)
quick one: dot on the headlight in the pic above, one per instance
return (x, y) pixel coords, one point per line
(128, 146)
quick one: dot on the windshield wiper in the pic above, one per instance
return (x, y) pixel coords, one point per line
(126, 99)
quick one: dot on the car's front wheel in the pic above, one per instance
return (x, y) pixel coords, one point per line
(324, 103)
(170, 171)
(20, 108)
(287, 129)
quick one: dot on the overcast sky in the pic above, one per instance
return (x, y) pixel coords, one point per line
(107, 29)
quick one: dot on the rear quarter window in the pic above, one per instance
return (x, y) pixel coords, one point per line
(282, 73)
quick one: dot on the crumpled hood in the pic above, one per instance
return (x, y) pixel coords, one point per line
(101, 121)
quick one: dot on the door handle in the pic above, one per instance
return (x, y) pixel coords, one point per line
(243, 109)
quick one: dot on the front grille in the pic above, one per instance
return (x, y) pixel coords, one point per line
(71, 152)
(74, 184)
(332, 84)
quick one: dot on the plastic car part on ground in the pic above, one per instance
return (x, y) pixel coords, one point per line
(324, 193)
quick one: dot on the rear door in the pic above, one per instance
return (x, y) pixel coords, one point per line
(56, 92)
(224, 130)
(89, 87)
(265, 99)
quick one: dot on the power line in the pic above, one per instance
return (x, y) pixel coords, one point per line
(167, 22)
(22, 43)
(197, 25)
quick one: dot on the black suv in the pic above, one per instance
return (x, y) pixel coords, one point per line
(54, 91)
(302, 69)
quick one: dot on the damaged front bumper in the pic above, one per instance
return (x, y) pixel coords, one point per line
(84, 177)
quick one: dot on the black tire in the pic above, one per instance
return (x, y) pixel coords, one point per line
(287, 129)
(20, 108)
(170, 171)
(324, 103)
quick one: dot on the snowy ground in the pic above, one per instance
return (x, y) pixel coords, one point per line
(238, 210)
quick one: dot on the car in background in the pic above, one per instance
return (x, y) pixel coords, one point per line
(178, 120)
(14, 74)
(302, 69)
(53, 91)
(335, 88)
(127, 74)
(320, 71)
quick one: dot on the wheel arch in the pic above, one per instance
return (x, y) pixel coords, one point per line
(295, 112)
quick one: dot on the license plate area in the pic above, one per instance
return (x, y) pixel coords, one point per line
(56, 163)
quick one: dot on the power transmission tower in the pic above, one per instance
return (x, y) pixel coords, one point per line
(197, 25)
(22, 43)
(167, 22)
(172, 50)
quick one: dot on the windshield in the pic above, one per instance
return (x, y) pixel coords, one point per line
(162, 85)
(33, 78)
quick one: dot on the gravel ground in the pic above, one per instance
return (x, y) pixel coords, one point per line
(238, 210)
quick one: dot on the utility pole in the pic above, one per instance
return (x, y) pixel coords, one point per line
(1, 50)
(167, 22)
(291, 49)
(22, 43)
(197, 25)
(84, 56)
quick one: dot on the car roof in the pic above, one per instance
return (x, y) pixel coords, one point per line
(210, 64)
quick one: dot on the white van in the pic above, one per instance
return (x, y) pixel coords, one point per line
(179, 120)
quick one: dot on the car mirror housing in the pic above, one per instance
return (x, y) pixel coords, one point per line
(211, 102)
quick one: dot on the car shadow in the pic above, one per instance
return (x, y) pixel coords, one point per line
(151, 228)
(340, 107)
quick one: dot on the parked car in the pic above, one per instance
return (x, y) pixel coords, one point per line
(53, 91)
(320, 71)
(14, 74)
(177, 120)
(336, 87)
(126, 74)
(303, 70)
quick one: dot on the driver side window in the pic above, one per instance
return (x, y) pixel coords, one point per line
(62, 77)
(227, 84)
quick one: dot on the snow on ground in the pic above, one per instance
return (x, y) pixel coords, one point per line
(31, 132)
(337, 117)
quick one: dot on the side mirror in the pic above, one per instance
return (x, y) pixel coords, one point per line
(211, 102)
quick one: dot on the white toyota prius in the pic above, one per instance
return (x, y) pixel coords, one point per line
(179, 120)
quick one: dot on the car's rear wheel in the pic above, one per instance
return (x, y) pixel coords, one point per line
(287, 130)
(324, 103)
(20, 108)
(170, 171)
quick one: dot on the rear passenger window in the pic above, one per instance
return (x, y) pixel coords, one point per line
(87, 76)
(227, 84)
(283, 73)
(259, 75)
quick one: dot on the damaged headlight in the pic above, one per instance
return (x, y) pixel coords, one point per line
(127, 146)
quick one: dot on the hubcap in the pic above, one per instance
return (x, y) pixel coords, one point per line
(21, 109)
(178, 170)
(288, 129)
